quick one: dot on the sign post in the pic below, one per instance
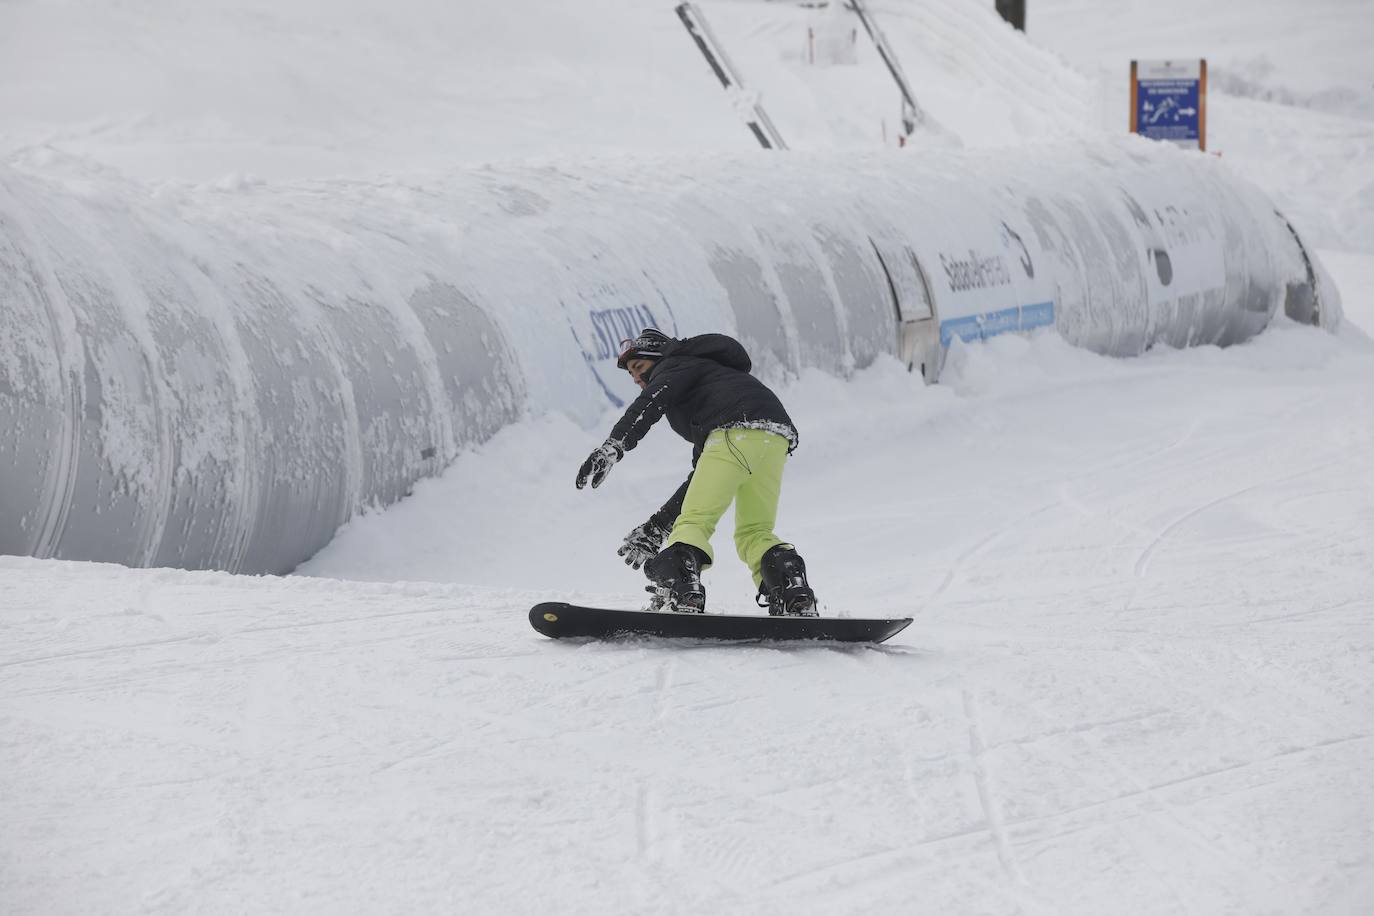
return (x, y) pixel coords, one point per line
(1169, 101)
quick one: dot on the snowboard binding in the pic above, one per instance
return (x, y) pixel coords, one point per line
(784, 589)
(676, 574)
(664, 599)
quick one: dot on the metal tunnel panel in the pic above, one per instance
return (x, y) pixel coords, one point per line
(758, 314)
(485, 388)
(864, 301)
(37, 416)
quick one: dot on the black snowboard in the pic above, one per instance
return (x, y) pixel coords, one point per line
(562, 621)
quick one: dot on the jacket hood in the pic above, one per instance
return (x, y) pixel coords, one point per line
(716, 347)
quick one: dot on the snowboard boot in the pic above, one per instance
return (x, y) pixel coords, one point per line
(784, 590)
(676, 573)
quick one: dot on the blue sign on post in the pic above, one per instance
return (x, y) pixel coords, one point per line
(1169, 101)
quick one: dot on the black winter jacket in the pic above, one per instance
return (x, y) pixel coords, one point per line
(702, 384)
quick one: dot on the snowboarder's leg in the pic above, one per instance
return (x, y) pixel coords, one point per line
(715, 480)
(784, 583)
(756, 503)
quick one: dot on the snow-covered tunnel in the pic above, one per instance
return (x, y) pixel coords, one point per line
(211, 378)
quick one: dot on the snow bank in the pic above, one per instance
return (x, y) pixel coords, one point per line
(221, 376)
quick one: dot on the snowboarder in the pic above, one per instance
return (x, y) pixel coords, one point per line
(741, 437)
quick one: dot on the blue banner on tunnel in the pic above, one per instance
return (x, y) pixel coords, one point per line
(990, 324)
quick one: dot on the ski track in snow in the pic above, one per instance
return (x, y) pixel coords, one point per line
(1132, 696)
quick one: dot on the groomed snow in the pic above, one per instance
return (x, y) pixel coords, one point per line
(1140, 679)
(1141, 676)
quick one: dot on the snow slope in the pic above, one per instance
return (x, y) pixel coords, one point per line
(1141, 677)
(162, 90)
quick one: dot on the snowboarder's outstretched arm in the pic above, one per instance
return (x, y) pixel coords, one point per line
(645, 410)
(639, 417)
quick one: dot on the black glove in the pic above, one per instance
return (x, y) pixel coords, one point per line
(643, 544)
(599, 463)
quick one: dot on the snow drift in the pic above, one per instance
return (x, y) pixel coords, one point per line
(220, 378)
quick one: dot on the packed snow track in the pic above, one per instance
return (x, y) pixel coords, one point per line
(1140, 677)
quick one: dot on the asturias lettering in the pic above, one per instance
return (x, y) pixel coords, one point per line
(611, 326)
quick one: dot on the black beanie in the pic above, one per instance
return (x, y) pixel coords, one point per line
(648, 345)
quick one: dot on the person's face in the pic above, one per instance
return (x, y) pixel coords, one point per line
(638, 369)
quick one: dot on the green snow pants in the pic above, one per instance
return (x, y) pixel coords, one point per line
(743, 466)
